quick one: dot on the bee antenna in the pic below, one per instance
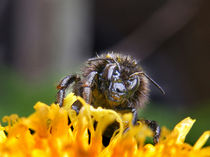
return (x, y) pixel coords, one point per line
(154, 83)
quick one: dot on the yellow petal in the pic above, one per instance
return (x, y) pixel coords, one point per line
(69, 100)
(3, 137)
(47, 133)
(202, 140)
(181, 130)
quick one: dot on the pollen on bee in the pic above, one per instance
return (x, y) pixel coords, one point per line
(108, 55)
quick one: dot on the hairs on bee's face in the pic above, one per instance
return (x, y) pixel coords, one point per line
(116, 84)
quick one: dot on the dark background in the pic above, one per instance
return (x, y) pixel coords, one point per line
(41, 41)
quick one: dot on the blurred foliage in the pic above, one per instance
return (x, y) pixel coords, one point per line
(19, 96)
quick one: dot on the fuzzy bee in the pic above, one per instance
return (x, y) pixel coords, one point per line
(112, 81)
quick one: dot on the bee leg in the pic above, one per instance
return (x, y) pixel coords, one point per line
(75, 108)
(88, 83)
(134, 120)
(135, 116)
(155, 128)
(152, 124)
(63, 85)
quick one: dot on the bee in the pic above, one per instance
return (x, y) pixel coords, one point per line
(112, 81)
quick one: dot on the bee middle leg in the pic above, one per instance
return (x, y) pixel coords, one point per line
(155, 128)
(134, 120)
(135, 116)
(87, 85)
(150, 123)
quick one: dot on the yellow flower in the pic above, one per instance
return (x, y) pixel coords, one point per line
(47, 132)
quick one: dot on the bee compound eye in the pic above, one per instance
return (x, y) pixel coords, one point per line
(133, 84)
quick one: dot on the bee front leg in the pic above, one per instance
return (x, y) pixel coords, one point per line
(63, 85)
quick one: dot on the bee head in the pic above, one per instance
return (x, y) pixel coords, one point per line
(118, 88)
(122, 79)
